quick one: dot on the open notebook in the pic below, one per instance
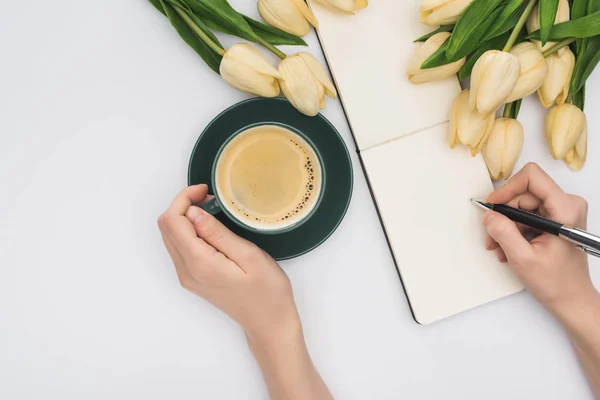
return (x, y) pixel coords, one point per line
(421, 187)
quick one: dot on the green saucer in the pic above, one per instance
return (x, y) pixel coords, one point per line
(337, 166)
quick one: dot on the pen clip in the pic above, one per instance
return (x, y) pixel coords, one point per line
(589, 251)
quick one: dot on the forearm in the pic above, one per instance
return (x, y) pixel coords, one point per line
(287, 367)
(581, 319)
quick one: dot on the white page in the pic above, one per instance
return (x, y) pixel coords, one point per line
(423, 190)
(368, 54)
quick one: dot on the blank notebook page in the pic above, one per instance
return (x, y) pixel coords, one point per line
(421, 187)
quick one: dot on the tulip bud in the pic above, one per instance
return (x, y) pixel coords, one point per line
(503, 147)
(533, 70)
(418, 75)
(563, 14)
(442, 12)
(246, 69)
(565, 124)
(346, 5)
(577, 156)
(291, 16)
(558, 80)
(467, 126)
(305, 83)
(495, 76)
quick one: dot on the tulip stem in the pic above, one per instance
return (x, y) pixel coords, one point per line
(558, 46)
(515, 33)
(271, 48)
(507, 110)
(209, 42)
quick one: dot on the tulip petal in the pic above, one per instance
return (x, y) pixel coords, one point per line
(319, 73)
(564, 126)
(300, 86)
(243, 78)
(496, 82)
(343, 5)
(444, 12)
(360, 4)
(306, 12)
(532, 73)
(284, 15)
(503, 147)
(579, 153)
(250, 56)
(558, 80)
(417, 75)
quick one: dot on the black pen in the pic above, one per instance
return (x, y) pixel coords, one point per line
(583, 240)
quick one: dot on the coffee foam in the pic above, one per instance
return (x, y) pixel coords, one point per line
(268, 177)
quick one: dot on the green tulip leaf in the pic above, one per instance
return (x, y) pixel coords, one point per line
(507, 19)
(579, 98)
(212, 59)
(158, 6)
(437, 59)
(472, 27)
(273, 35)
(548, 10)
(443, 28)
(220, 13)
(516, 107)
(583, 27)
(586, 63)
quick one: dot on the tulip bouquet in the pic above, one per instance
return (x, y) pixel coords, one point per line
(511, 49)
(300, 76)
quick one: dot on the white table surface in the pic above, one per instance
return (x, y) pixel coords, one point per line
(100, 105)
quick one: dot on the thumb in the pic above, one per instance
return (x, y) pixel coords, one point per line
(213, 232)
(507, 235)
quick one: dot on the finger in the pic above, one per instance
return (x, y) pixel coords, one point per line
(182, 235)
(507, 235)
(188, 196)
(206, 199)
(490, 244)
(501, 256)
(534, 180)
(185, 278)
(525, 201)
(213, 232)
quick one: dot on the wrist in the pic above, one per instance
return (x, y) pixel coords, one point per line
(574, 311)
(275, 340)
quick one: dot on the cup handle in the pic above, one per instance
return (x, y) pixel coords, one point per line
(213, 207)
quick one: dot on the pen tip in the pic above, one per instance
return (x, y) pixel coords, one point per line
(481, 203)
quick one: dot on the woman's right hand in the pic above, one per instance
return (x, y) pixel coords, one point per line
(552, 269)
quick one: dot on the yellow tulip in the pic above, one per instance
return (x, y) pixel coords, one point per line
(565, 124)
(348, 6)
(557, 82)
(442, 12)
(418, 75)
(495, 76)
(533, 70)
(503, 147)
(563, 14)
(246, 69)
(467, 126)
(305, 83)
(292, 16)
(576, 158)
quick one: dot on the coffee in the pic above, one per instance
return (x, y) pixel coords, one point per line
(268, 177)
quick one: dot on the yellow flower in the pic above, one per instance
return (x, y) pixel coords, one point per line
(442, 12)
(557, 82)
(565, 124)
(305, 83)
(533, 70)
(291, 16)
(348, 6)
(576, 158)
(467, 126)
(246, 69)
(495, 76)
(563, 14)
(503, 147)
(418, 75)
